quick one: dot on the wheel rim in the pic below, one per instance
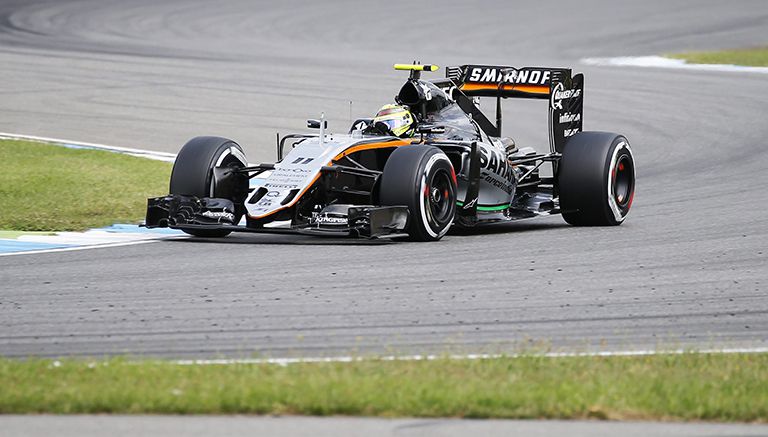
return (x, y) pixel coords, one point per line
(623, 181)
(438, 197)
(230, 161)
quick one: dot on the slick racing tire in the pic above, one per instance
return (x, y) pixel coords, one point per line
(596, 179)
(192, 174)
(423, 179)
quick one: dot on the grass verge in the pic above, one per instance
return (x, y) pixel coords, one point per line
(753, 57)
(51, 188)
(716, 387)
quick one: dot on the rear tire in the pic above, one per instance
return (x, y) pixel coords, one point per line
(192, 173)
(596, 179)
(423, 179)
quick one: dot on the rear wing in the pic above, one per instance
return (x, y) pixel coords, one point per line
(564, 91)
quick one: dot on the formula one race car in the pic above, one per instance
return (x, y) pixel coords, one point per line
(429, 161)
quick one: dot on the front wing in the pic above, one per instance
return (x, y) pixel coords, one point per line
(193, 213)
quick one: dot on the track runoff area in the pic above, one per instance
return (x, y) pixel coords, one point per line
(119, 234)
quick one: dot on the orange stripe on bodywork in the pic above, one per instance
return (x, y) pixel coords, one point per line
(371, 146)
(531, 89)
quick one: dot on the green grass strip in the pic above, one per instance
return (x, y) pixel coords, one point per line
(52, 188)
(753, 57)
(712, 387)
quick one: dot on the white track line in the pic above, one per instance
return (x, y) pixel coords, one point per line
(157, 156)
(661, 62)
(113, 236)
(71, 249)
(350, 359)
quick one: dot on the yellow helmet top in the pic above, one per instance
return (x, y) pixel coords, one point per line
(398, 119)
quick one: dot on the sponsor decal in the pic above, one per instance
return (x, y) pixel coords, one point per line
(290, 171)
(288, 178)
(525, 76)
(569, 117)
(494, 162)
(427, 91)
(559, 93)
(470, 204)
(271, 185)
(219, 215)
(325, 219)
(553, 102)
(502, 185)
(570, 132)
(448, 90)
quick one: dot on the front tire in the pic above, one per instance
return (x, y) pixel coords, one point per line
(192, 174)
(596, 179)
(423, 179)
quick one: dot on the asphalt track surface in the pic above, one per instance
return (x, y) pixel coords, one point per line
(688, 269)
(129, 426)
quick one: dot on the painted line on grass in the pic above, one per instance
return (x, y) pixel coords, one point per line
(662, 62)
(350, 359)
(157, 156)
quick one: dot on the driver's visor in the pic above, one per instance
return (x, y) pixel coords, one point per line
(392, 124)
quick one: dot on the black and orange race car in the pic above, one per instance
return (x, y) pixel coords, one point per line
(456, 170)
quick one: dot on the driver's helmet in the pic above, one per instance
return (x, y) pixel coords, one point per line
(398, 119)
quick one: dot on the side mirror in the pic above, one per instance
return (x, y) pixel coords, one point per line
(315, 124)
(430, 129)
